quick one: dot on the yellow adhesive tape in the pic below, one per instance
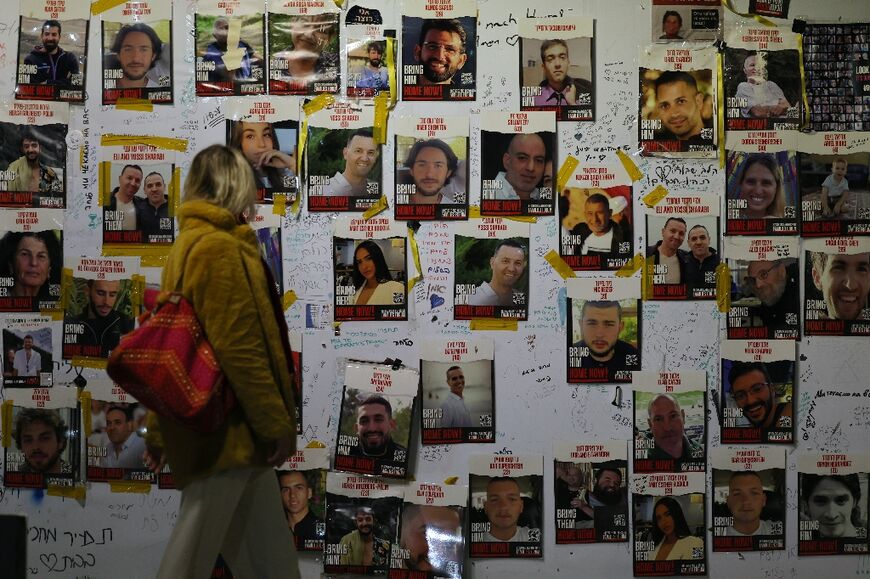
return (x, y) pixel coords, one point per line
(234, 55)
(6, 421)
(297, 201)
(82, 157)
(168, 143)
(723, 287)
(720, 121)
(101, 6)
(67, 286)
(138, 249)
(379, 129)
(627, 162)
(415, 254)
(85, 362)
(76, 492)
(494, 324)
(631, 266)
(175, 192)
(391, 71)
(279, 204)
(378, 207)
(320, 101)
(105, 183)
(451, 480)
(315, 444)
(130, 486)
(300, 145)
(153, 260)
(800, 47)
(288, 299)
(565, 173)
(138, 105)
(558, 264)
(655, 196)
(85, 400)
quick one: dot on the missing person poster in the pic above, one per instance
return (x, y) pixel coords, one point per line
(304, 47)
(676, 21)
(758, 390)
(33, 154)
(749, 499)
(491, 278)
(31, 259)
(370, 269)
(669, 422)
(681, 260)
(302, 480)
(343, 160)
(832, 501)
(669, 524)
(677, 102)
(368, 59)
(765, 288)
(763, 89)
(762, 187)
(836, 286)
(432, 532)
(439, 51)
(100, 304)
(45, 446)
(604, 329)
(116, 444)
(362, 524)
(431, 168)
(52, 50)
(266, 131)
(506, 498)
(835, 195)
(377, 412)
(457, 378)
(139, 193)
(516, 150)
(137, 52)
(29, 351)
(230, 47)
(835, 65)
(591, 490)
(557, 66)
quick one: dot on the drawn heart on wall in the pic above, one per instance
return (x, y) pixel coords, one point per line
(662, 171)
(512, 39)
(436, 300)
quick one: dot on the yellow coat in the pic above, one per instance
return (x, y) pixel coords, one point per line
(224, 280)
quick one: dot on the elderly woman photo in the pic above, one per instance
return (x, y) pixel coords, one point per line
(34, 262)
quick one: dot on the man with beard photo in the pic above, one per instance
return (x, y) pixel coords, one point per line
(755, 395)
(53, 64)
(441, 51)
(607, 499)
(844, 281)
(41, 435)
(600, 326)
(374, 427)
(138, 48)
(30, 171)
(775, 283)
(374, 73)
(103, 325)
(361, 546)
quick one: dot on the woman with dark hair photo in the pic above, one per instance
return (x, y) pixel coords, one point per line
(258, 142)
(674, 541)
(34, 262)
(371, 278)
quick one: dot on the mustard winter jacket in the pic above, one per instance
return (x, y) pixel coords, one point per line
(223, 278)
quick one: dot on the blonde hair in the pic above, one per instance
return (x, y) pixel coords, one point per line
(222, 176)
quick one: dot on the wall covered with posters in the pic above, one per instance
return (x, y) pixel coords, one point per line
(558, 216)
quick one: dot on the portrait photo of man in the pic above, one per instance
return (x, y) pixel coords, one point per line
(135, 51)
(701, 259)
(433, 168)
(458, 397)
(53, 65)
(360, 155)
(666, 427)
(503, 507)
(677, 101)
(521, 168)
(843, 282)
(297, 490)
(31, 171)
(433, 538)
(374, 427)
(126, 447)
(101, 319)
(559, 88)
(771, 289)
(834, 502)
(440, 48)
(27, 361)
(438, 56)
(746, 501)
(667, 252)
(152, 212)
(363, 546)
(600, 324)
(41, 436)
(598, 233)
(598, 507)
(367, 67)
(755, 394)
(248, 61)
(124, 202)
(507, 266)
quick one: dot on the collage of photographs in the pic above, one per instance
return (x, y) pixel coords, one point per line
(361, 116)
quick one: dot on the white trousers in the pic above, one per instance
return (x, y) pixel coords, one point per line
(237, 513)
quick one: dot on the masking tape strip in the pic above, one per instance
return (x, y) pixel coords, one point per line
(379, 129)
(6, 420)
(451, 480)
(655, 196)
(320, 101)
(86, 362)
(297, 202)
(137, 291)
(494, 324)
(720, 120)
(315, 444)
(415, 254)
(800, 47)
(723, 287)
(558, 264)
(127, 486)
(101, 6)
(175, 192)
(168, 143)
(82, 156)
(138, 105)
(234, 55)
(153, 260)
(378, 207)
(136, 249)
(391, 71)
(104, 180)
(634, 173)
(300, 147)
(279, 204)
(76, 492)
(565, 171)
(288, 299)
(631, 266)
(85, 400)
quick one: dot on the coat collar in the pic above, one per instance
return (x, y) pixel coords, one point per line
(218, 217)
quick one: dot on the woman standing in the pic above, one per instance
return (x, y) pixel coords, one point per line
(230, 502)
